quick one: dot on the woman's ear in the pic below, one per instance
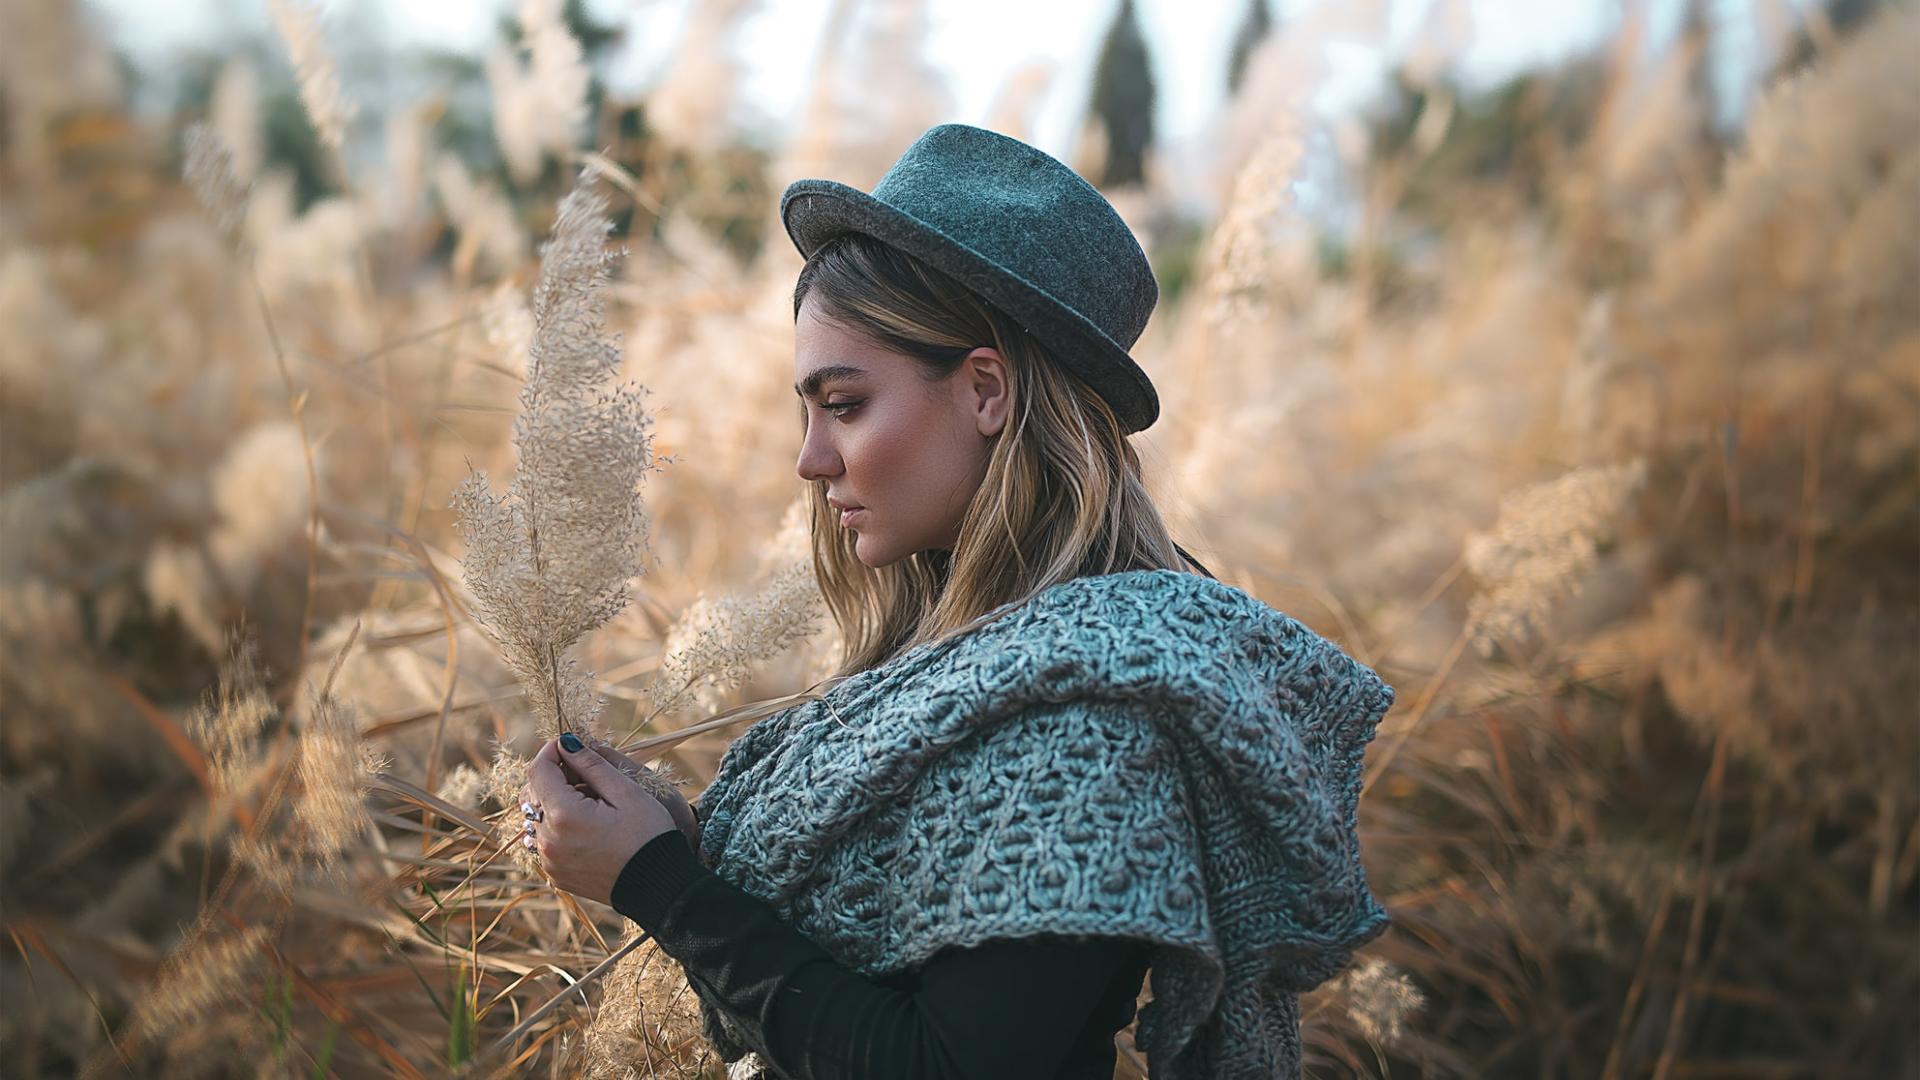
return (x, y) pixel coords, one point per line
(988, 391)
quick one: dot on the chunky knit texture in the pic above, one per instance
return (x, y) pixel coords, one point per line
(1151, 754)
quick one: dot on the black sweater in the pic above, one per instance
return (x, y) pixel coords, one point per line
(1044, 1007)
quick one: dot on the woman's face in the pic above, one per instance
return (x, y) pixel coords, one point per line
(907, 453)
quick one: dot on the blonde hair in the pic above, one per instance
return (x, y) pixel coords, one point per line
(1062, 497)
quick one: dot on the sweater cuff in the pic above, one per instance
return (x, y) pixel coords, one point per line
(657, 875)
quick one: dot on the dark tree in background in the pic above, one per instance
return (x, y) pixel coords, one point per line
(1253, 30)
(1826, 22)
(1123, 100)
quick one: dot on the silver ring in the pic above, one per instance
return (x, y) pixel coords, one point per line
(532, 812)
(528, 840)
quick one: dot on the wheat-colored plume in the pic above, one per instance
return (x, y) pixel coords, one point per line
(1545, 539)
(647, 1013)
(540, 102)
(1380, 999)
(210, 970)
(328, 107)
(717, 643)
(229, 722)
(215, 179)
(332, 772)
(549, 560)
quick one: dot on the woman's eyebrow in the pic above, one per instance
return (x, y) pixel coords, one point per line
(810, 386)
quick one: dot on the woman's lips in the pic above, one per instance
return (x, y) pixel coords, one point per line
(847, 514)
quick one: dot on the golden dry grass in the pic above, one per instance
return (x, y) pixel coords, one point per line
(1607, 456)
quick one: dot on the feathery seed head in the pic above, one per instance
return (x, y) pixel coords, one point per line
(539, 103)
(716, 643)
(197, 978)
(228, 723)
(210, 172)
(1544, 539)
(330, 809)
(463, 787)
(327, 107)
(1379, 999)
(550, 559)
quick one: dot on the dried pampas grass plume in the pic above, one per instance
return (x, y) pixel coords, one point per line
(538, 105)
(1239, 255)
(260, 490)
(198, 978)
(489, 238)
(1545, 538)
(333, 771)
(327, 107)
(505, 774)
(177, 582)
(234, 112)
(716, 643)
(215, 179)
(550, 560)
(1379, 1000)
(502, 786)
(648, 1014)
(464, 787)
(228, 724)
(688, 108)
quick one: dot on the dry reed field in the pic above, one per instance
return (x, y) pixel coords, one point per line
(1597, 434)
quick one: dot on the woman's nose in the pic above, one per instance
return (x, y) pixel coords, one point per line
(818, 461)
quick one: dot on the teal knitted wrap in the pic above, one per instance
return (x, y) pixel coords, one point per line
(1151, 755)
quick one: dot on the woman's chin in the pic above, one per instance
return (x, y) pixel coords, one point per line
(872, 553)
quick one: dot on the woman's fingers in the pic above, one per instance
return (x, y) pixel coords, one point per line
(603, 780)
(617, 759)
(560, 782)
(552, 788)
(683, 816)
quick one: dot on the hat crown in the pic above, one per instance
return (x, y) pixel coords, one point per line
(1028, 212)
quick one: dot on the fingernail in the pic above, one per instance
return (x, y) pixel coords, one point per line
(571, 743)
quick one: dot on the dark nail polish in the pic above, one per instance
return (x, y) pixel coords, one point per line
(571, 743)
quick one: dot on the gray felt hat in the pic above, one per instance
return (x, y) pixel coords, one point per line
(1021, 229)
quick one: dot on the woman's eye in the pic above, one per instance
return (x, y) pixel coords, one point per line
(839, 408)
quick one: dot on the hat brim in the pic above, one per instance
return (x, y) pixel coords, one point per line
(815, 211)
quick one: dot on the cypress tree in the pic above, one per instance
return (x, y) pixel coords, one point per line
(1123, 100)
(1253, 30)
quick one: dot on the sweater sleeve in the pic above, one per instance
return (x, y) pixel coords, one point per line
(1004, 1009)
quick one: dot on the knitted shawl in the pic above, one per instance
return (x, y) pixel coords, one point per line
(1151, 755)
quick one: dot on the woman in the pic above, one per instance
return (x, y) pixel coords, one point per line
(1053, 757)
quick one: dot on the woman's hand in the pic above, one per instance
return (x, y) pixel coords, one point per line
(662, 789)
(585, 836)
